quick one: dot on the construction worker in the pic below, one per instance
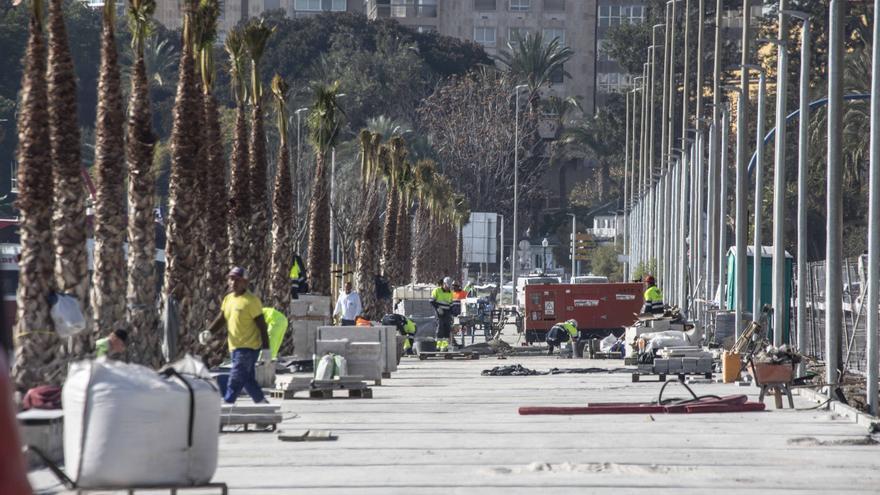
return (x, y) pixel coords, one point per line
(112, 345)
(360, 321)
(561, 332)
(653, 297)
(248, 335)
(457, 296)
(277, 323)
(441, 299)
(405, 326)
(297, 277)
(348, 306)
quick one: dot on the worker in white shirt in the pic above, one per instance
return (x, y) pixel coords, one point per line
(348, 306)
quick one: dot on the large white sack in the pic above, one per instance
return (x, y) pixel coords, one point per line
(127, 425)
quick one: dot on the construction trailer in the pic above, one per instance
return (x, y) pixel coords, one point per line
(600, 309)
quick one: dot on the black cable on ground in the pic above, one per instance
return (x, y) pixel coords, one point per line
(677, 401)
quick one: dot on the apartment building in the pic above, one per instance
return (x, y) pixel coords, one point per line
(492, 23)
(168, 12)
(610, 76)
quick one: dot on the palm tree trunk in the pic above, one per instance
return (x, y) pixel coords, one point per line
(318, 260)
(109, 280)
(36, 359)
(282, 235)
(141, 290)
(258, 231)
(367, 264)
(69, 217)
(216, 241)
(390, 267)
(180, 262)
(459, 252)
(422, 245)
(239, 203)
(403, 243)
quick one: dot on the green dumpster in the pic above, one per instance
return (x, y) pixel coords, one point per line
(766, 283)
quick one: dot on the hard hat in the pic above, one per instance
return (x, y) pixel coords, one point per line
(649, 279)
(573, 322)
(447, 280)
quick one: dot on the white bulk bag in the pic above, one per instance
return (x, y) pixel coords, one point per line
(127, 425)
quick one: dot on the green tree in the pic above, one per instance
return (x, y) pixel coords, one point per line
(533, 61)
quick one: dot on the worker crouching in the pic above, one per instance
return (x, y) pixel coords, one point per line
(406, 327)
(561, 332)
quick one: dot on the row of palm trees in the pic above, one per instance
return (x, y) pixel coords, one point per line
(210, 224)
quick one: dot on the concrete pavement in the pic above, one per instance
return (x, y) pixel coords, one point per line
(441, 427)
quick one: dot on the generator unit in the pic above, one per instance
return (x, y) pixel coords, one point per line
(600, 309)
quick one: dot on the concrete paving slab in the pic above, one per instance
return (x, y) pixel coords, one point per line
(441, 427)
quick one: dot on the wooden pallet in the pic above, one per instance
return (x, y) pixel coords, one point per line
(352, 393)
(448, 355)
(661, 377)
(605, 355)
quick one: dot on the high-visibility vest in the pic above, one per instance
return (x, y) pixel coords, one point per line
(409, 327)
(442, 300)
(102, 347)
(459, 295)
(295, 270)
(653, 300)
(571, 329)
(362, 322)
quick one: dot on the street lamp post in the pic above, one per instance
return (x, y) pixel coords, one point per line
(544, 245)
(501, 261)
(742, 119)
(513, 267)
(573, 243)
(873, 224)
(759, 189)
(803, 171)
(780, 302)
(834, 198)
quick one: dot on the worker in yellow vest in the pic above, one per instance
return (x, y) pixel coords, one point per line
(561, 332)
(653, 297)
(405, 326)
(298, 277)
(441, 299)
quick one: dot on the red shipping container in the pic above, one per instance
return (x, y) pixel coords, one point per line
(598, 308)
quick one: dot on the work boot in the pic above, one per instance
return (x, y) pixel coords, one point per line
(550, 351)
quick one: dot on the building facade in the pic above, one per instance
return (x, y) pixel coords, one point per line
(610, 76)
(169, 14)
(492, 23)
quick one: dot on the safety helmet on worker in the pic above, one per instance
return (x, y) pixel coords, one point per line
(650, 280)
(447, 281)
(573, 322)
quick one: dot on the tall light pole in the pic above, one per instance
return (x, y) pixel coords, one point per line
(803, 171)
(873, 224)
(715, 152)
(573, 243)
(513, 258)
(501, 262)
(834, 222)
(723, 204)
(759, 189)
(780, 302)
(544, 245)
(742, 120)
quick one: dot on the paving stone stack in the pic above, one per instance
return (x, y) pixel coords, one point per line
(305, 315)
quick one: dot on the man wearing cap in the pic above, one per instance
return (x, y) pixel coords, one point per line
(441, 299)
(242, 312)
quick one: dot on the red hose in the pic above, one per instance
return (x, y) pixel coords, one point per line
(730, 403)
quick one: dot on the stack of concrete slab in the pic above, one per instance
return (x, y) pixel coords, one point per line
(370, 351)
(688, 365)
(307, 314)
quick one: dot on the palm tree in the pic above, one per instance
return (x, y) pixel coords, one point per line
(159, 57)
(36, 361)
(283, 206)
(256, 35)
(211, 208)
(109, 280)
(374, 157)
(69, 217)
(180, 256)
(461, 213)
(402, 252)
(323, 122)
(239, 212)
(425, 181)
(141, 290)
(533, 61)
